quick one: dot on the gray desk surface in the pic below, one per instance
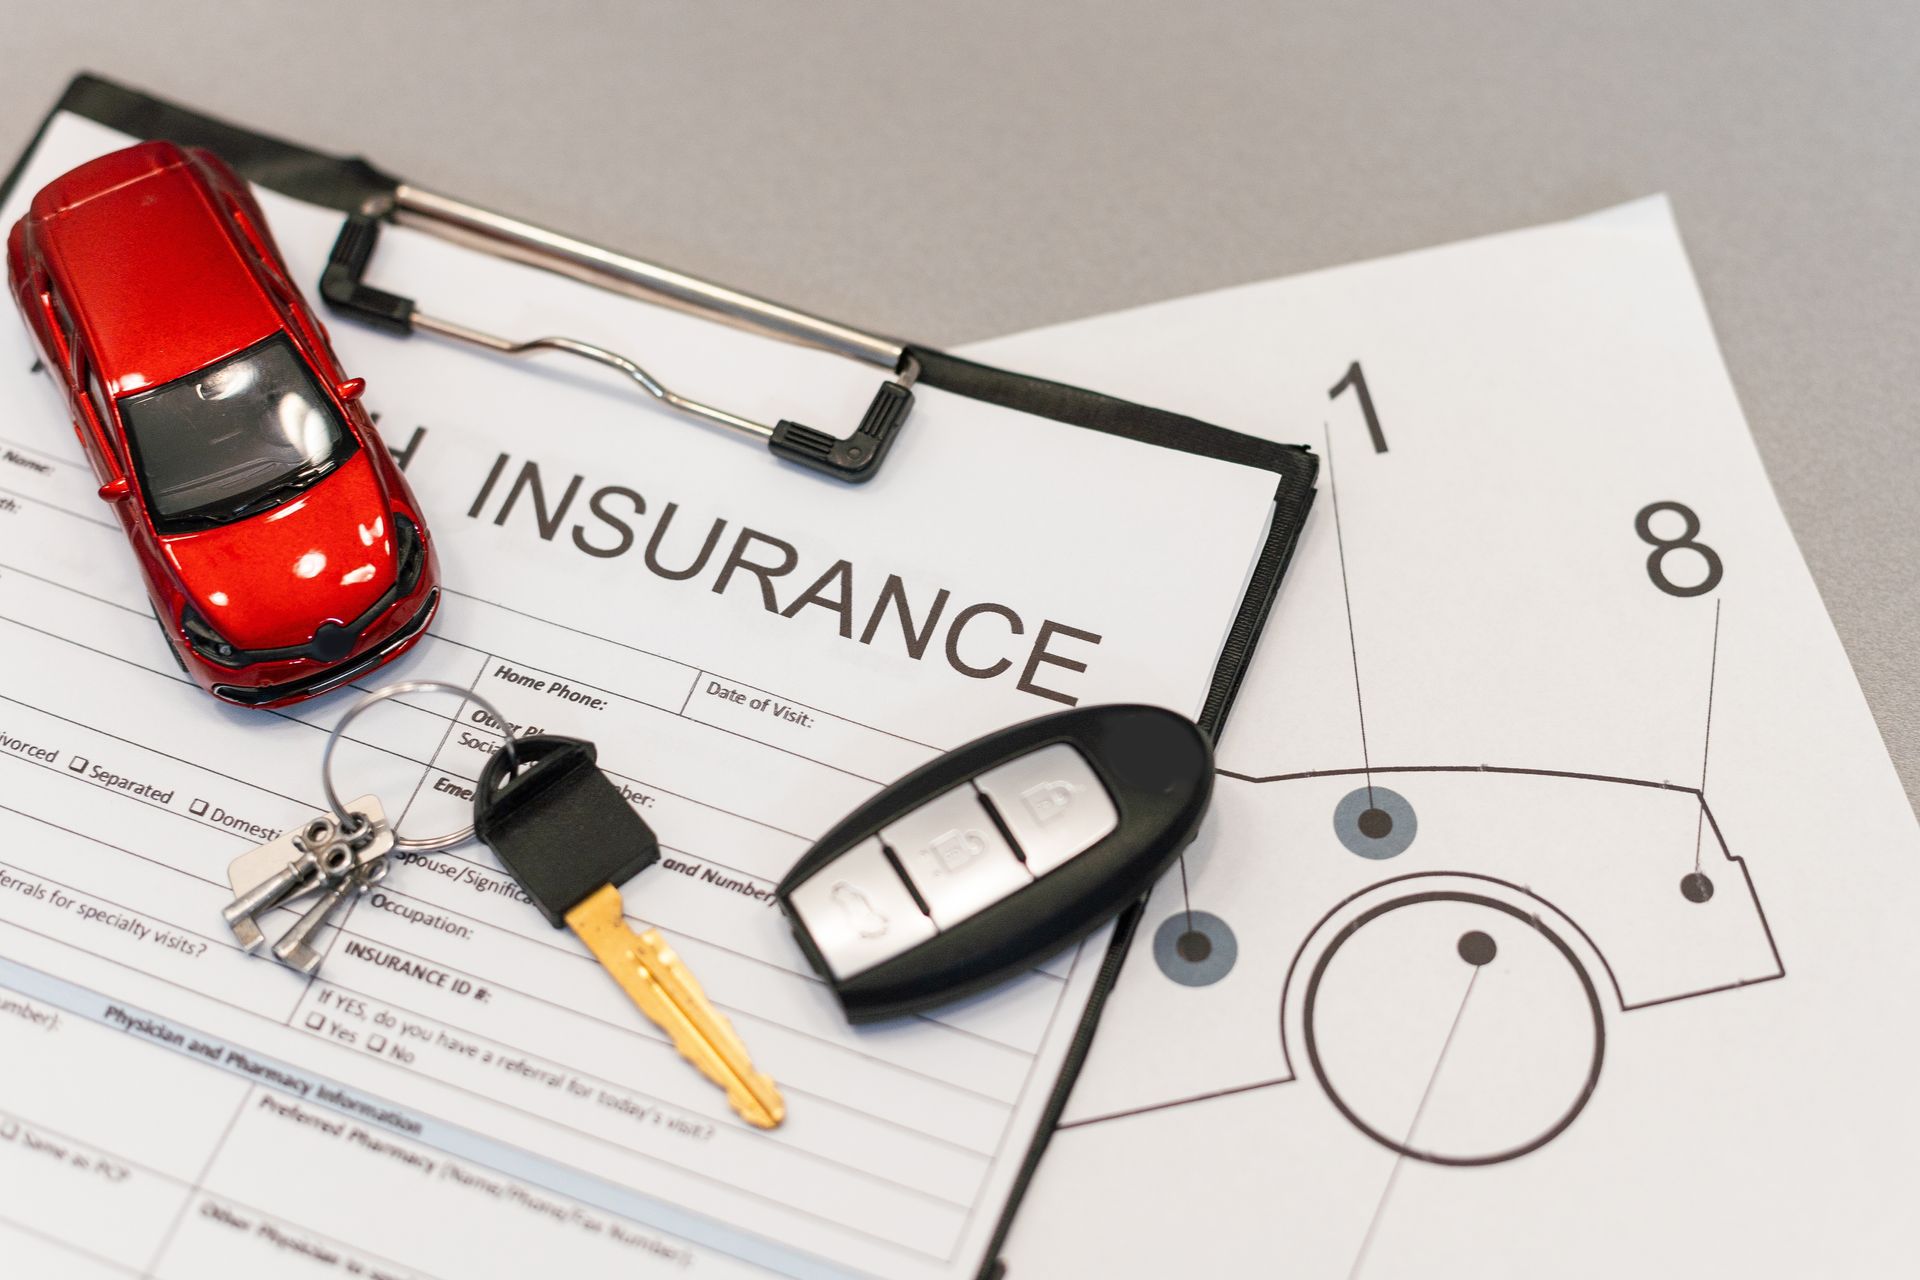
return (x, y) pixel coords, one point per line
(959, 173)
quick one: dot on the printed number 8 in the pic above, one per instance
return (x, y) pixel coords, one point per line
(1643, 525)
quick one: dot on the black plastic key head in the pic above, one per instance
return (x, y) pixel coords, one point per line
(558, 824)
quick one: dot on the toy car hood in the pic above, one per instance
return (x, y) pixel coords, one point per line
(270, 580)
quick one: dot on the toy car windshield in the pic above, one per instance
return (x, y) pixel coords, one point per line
(243, 434)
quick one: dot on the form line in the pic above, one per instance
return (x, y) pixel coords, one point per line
(1346, 593)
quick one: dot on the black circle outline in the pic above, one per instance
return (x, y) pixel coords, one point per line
(1449, 895)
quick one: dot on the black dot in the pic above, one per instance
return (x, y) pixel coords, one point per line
(1376, 824)
(1476, 948)
(1695, 887)
(1194, 946)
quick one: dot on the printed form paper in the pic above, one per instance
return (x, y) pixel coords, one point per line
(755, 650)
(1554, 915)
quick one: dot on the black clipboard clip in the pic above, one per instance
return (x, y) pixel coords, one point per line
(855, 458)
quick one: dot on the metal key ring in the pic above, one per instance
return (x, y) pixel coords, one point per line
(347, 820)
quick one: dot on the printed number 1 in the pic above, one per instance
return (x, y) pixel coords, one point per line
(1357, 379)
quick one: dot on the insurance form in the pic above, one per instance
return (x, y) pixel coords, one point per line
(461, 1091)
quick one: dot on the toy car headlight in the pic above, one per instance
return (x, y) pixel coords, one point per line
(206, 642)
(412, 554)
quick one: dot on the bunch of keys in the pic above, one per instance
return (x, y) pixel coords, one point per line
(336, 855)
(562, 830)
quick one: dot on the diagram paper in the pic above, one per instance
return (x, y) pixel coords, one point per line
(1554, 916)
(755, 650)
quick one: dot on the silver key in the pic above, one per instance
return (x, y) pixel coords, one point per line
(302, 865)
(309, 857)
(296, 947)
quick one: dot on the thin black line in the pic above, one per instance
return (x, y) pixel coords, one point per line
(1346, 592)
(194, 1188)
(667, 1104)
(54, 506)
(145, 749)
(45, 453)
(68, 586)
(353, 1247)
(69, 1245)
(413, 857)
(676, 662)
(705, 724)
(81, 835)
(770, 746)
(579, 632)
(1184, 897)
(164, 675)
(84, 780)
(1006, 1128)
(1706, 738)
(804, 974)
(1177, 1102)
(141, 913)
(1400, 1157)
(160, 1175)
(647, 1031)
(638, 782)
(472, 1093)
(138, 666)
(1017, 1050)
(1456, 768)
(1719, 837)
(119, 1157)
(564, 627)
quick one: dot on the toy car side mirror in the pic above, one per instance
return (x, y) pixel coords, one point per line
(351, 389)
(115, 490)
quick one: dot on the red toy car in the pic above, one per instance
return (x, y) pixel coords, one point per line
(283, 550)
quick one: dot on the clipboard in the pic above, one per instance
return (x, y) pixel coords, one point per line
(365, 195)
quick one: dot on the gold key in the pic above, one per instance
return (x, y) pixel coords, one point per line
(651, 973)
(571, 840)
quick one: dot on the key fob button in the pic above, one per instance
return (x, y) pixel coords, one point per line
(955, 856)
(1052, 802)
(858, 911)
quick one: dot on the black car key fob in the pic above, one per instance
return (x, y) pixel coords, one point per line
(982, 863)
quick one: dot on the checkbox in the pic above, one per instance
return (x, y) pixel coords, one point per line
(376, 1043)
(78, 764)
(315, 1021)
(197, 808)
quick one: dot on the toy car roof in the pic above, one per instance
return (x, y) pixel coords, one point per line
(149, 265)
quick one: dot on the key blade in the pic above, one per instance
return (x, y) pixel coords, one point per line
(295, 948)
(658, 982)
(295, 881)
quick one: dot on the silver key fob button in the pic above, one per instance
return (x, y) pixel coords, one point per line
(1052, 804)
(955, 856)
(860, 911)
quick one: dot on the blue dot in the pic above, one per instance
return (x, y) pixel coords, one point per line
(1375, 822)
(1194, 948)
